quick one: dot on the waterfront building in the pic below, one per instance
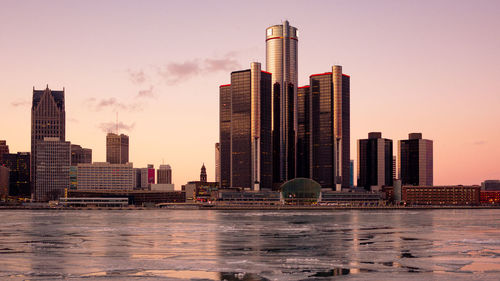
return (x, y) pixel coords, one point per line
(105, 176)
(53, 158)
(4, 181)
(198, 191)
(374, 162)
(323, 141)
(73, 177)
(282, 62)
(491, 197)
(225, 135)
(48, 119)
(441, 195)
(490, 185)
(137, 178)
(135, 197)
(164, 174)
(217, 162)
(80, 155)
(203, 173)
(162, 187)
(19, 175)
(351, 173)
(4, 149)
(248, 198)
(117, 147)
(415, 160)
(147, 177)
(245, 130)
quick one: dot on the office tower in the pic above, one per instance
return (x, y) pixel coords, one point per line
(19, 175)
(4, 181)
(48, 119)
(415, 160)
(225, 135)
(217, 162)
(105, 176)
(304, 133)
(323, 142)
(281, 61)
(490, 185)
(4, 148)
(203, 173)
(116, 148)
(164, 174)
(374, 162)
(137, 178)
(80, 155)
(245, 129)
(147, 176)
(53, 160)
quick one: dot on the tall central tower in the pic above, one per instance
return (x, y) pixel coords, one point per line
(281, 61)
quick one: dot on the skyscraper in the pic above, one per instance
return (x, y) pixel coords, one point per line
(147, 177)
(48, 119)
(282, 62)
(117, 148)
(323, 140)
(245, 129)
(164, 174)
(415, 160)
(4, 148)
(52, 168)
(374, 162)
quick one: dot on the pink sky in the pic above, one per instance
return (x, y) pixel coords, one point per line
(415, 66)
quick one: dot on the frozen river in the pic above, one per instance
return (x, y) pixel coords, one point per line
(249, 245)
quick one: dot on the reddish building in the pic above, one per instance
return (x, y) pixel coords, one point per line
(490, 197)
(441, 195)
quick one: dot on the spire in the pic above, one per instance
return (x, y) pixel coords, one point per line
(203, 174)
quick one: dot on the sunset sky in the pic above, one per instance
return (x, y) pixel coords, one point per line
(415, 66)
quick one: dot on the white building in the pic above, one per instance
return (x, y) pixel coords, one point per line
(105, 176)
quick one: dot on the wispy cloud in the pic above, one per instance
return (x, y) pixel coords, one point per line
(111, 127)
(19, 103)
(137, 77)
(148, 93)
(175, 72)
(480, 142)
(113, 104)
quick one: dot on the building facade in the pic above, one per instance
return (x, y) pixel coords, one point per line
(4, 149)
(4, 181)
(217, 162)
(203, 173)
(441, 195)
(164, 174)
(80, 155)
(282, 62)
(105, 176)
(147, 177)
(246, 149)
(48, 119)
(375, 162)
(490, 185)
(53, 161)
(415, 164)
(117, 147)
(19, 175)
(304, 158)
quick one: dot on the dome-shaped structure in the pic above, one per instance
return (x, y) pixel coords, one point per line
(301, 191)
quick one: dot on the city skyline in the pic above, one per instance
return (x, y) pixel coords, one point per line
(150, 87)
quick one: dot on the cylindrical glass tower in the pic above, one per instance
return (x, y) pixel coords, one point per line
(281, 61)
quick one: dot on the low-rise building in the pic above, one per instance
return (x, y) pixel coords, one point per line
(441, 195)
(4, 181)
(105, 176)
(162, 187)
(136, 197)
(490, 197)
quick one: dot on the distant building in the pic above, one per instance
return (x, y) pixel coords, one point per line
(4, 181)
(203, 173)
(162, 187)
(136, 197)
(137, 178)
(147, 177)
(375, 162)
(4, 149)
(415, 160)
(52, 168)
(217, 162)
(198, 191)
(80, 155)
(164, 174)
(105, 176)
(48, 119)
(19, 176)
(245, 130)
(490, 185)
(394, 168)
(351, 173)
(304, 146)
(441, 195)
(491, 197)
(117, 147)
